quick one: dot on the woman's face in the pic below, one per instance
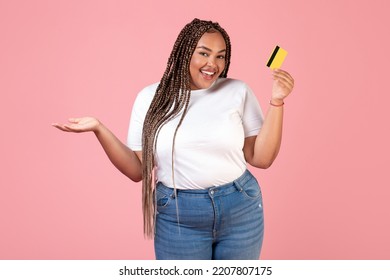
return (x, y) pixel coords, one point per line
(208, 60)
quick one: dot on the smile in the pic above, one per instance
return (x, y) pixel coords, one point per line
(208, 73)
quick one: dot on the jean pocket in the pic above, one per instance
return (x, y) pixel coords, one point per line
(163, 199)
(251, 189)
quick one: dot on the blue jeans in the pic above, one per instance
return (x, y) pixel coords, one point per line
(218, 223)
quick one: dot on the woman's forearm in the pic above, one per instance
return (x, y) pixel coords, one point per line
(268, 141)
(123, 158)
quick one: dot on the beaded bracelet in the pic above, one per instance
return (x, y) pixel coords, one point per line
(280, 105)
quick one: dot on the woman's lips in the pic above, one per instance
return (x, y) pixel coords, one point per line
(208, 75)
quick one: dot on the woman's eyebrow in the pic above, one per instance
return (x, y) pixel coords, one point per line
(210, 50)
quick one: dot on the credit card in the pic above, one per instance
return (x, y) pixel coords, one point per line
(277, 57)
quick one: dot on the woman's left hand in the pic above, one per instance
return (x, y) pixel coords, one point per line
(282, 86)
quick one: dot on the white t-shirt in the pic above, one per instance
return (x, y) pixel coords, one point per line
(209, 142)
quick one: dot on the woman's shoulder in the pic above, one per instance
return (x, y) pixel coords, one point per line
(231, 84)
(150, 89)
(147, 93)
(145, 96)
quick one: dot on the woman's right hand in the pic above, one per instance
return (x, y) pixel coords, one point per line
(126, 160)
(77, 125)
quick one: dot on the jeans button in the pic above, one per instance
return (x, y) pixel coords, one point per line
(212, 192)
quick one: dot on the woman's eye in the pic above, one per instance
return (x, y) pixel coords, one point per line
(204, 54)
(221, 57)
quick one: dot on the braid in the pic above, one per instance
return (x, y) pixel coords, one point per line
(172, 97)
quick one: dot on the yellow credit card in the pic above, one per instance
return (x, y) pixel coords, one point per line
(277, 57)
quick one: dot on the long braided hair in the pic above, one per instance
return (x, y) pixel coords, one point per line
(172, 96)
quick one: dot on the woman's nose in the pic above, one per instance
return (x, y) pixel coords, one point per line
(211, 61)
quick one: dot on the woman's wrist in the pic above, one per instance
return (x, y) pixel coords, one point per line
(98, 127)
(276, 102)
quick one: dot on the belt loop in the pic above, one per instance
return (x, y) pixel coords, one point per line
(236, 183)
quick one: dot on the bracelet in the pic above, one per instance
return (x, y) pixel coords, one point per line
(280, 105)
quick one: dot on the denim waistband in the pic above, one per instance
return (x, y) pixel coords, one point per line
(224, 189)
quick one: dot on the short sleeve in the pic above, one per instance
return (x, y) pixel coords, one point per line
(252, 118)
(140, 108)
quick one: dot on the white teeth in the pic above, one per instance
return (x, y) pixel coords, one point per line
(208, 73)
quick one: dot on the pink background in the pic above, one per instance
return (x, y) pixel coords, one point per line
(326, 196)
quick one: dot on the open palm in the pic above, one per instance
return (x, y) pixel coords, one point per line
(83, 124)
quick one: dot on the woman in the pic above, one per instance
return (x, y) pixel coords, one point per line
(190, 138)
